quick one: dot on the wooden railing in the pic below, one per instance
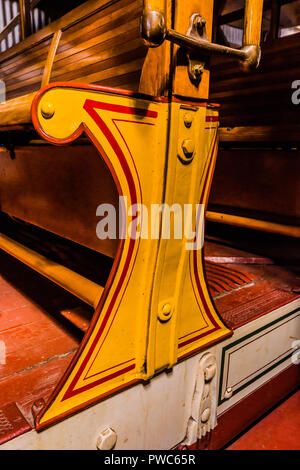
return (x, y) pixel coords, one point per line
(18, 21)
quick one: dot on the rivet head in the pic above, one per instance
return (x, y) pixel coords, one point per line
(205, 415)
(106, 439)
(188, 147)
(47, 110)
(188, 120)
(228, 393)
(165, 312)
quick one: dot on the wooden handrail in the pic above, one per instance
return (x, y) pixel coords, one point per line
(252, 22)
(50, 58)
(9, 27)
(254, 224)
(18, 20)
(86, 290)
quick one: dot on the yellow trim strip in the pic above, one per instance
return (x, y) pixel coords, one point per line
(84, 289)
(255, 224)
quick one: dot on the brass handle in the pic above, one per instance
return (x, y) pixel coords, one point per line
(154, 32)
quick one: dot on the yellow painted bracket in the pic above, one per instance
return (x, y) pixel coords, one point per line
(155, 308)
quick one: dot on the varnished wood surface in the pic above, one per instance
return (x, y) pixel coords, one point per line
(263, 97)
(106, 46)
(44, 185)
(157, 71)
(258, 183)
(16, 111)
(252, 22)
(50, 58)
(99, 43)
(182, 84)
(281, 134)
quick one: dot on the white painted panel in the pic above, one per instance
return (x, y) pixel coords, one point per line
(151, 416)
(257, 357)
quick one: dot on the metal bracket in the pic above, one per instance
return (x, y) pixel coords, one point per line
(196, 65)
(154, 31)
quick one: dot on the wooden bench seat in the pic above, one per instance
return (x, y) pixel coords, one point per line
(96, 43)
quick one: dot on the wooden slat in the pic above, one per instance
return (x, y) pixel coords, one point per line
(259, 183)
(97, 43)
(254, 224)
(250, 134)
(263, 97)
(112, 39)
(50, 59)
(27, 76)
(71, 18)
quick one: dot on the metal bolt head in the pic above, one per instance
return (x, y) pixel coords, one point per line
(165, 312)
(47, 110)
(188, 120)
(107, 439)
(188, 147)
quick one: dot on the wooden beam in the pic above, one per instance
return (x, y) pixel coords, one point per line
(155, 77)
(182, 84)
(252, 22)
(266, 134)
(275, 20)
(239, 14)
(25, 18)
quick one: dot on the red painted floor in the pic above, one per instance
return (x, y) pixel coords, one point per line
(279, 430)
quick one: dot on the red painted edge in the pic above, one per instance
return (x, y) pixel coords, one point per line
(17, 423)
(94, 320)
(82, 128)
(116, 91)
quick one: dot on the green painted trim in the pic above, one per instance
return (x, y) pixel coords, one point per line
(244, 338)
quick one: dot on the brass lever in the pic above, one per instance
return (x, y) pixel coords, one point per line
(154, 32)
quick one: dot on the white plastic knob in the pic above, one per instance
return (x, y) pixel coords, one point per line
(106, 439)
